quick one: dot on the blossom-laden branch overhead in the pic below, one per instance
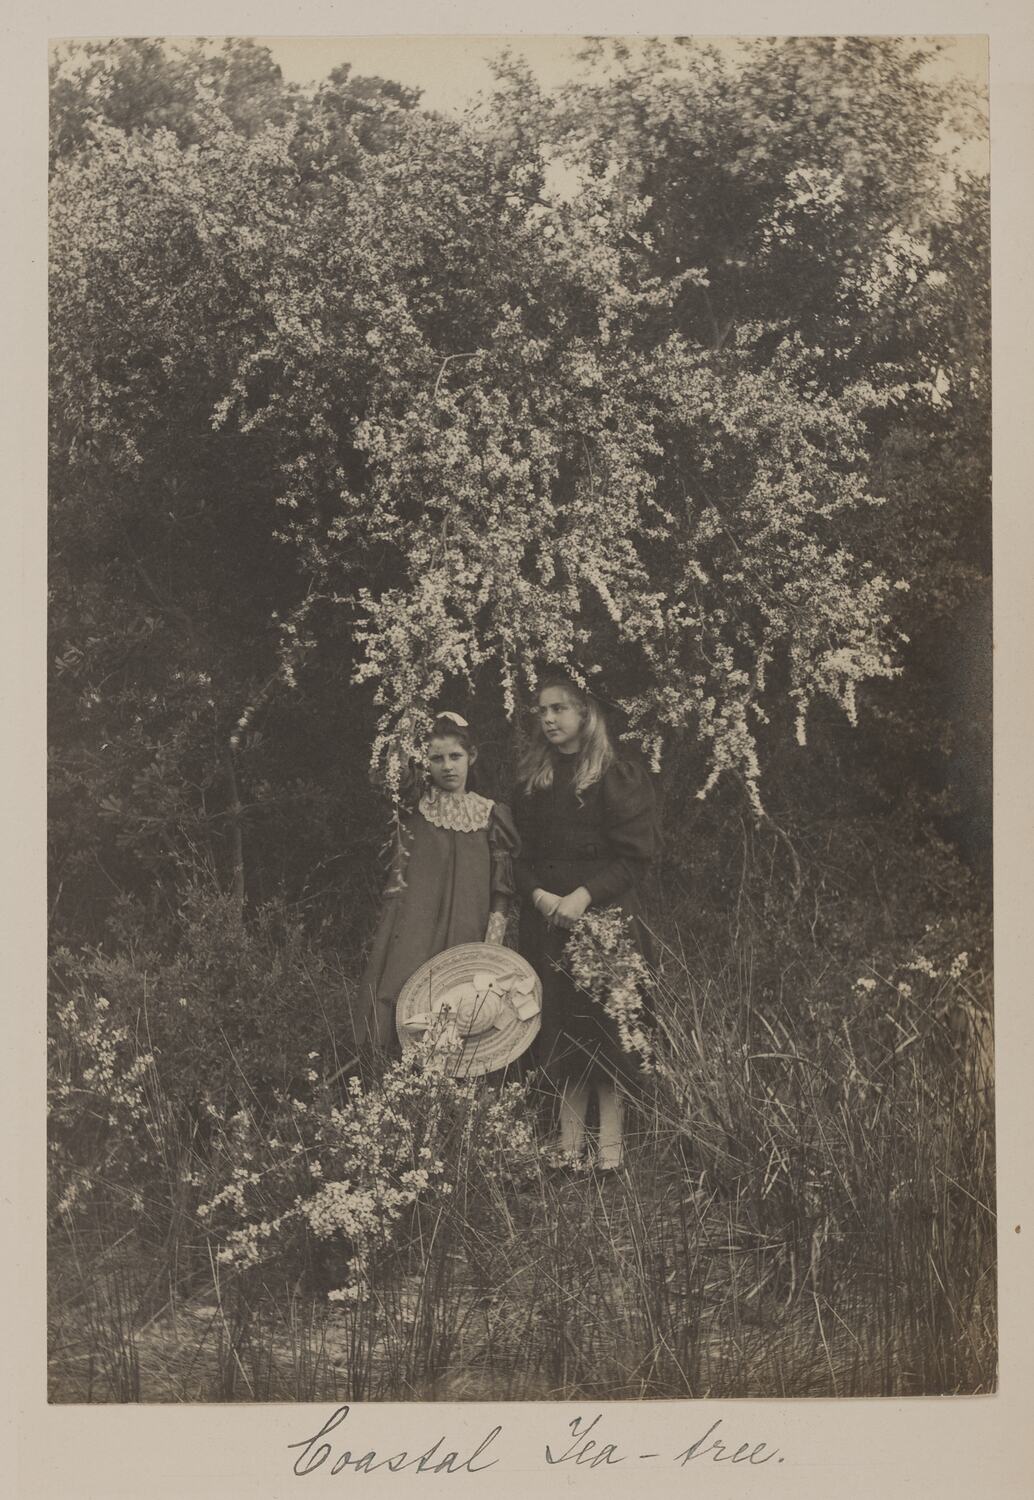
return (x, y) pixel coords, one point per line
(633, 426)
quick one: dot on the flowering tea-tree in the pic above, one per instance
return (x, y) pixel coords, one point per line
(358, 388)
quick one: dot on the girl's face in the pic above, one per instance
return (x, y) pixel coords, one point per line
(561, 719)
(448, 763)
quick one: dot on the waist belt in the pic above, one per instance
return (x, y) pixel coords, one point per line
(571, 856)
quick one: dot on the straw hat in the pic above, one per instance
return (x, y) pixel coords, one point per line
(481, 1003)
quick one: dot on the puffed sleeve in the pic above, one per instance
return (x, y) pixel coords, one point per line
(504, 846)
(630, 829)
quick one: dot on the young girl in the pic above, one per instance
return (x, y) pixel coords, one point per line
(587, 827)
(451, 880)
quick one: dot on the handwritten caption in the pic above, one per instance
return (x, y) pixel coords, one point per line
(585, 1446)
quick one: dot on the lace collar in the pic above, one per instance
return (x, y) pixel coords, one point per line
(465, 812)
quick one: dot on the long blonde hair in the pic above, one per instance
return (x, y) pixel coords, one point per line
(595, 751)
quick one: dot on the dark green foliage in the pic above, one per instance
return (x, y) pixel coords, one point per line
(231, 1012)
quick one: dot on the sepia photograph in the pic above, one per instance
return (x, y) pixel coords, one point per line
(519, 719)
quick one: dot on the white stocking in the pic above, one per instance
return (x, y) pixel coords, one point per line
(574, 1106)
(612, 1112)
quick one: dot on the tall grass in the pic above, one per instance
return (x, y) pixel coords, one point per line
(807, 1209)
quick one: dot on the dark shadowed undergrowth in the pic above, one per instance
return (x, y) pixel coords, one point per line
(808, 1208)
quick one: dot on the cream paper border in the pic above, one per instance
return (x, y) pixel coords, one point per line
(946, 1447)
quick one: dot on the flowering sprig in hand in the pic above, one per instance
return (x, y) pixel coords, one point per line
(603, 960)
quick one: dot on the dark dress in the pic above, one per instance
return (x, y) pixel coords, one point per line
(444, 883)
(604, 841)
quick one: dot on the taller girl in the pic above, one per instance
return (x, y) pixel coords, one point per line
(586, 820)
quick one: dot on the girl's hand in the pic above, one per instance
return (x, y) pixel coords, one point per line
(496, 930)
(571, 908)
(544, 902)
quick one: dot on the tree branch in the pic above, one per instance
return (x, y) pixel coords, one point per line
(473, 353)
(783, 837)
